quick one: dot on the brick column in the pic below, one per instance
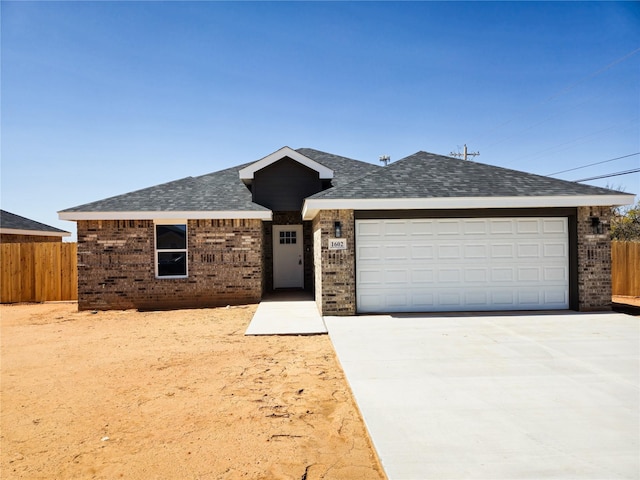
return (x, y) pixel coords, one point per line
(594, 259)
(335, 285)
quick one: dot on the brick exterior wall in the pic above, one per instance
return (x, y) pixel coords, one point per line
(288, 218)
(335, 291)
(594, 260)
(116, 265)
(9, 238)
(335, 285)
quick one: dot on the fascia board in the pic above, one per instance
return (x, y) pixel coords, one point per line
(311, 207)
(247, 173)
(266, 215)
(39, 233)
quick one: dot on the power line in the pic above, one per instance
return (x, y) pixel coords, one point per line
(578, 140)
(565, 90)
(592, 164)
(616, 174)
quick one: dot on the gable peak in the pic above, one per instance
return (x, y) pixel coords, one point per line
(247, 173)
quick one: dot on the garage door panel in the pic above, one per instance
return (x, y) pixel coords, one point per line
(502, 227)
(368, 229)
(423, 228)
(449, 275)
(370, 252)
(447, 227)
(555, 298)
(559, 274)
(396, 229)
(476, 298)
(396, 252)
(476, 275)
(370, 277)
(475, 227)
(529, 250)
(528, 226)
(423, 300)
(422, 276)
(554, 225)
(502, 274)
(476, 251)
(449, 251)
(555, 249)
(462, 264)
(528, 274)
(396, 277)
(422, 252)
(502, 250)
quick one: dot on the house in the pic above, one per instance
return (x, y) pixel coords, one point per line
(17, 229)
(426, 233)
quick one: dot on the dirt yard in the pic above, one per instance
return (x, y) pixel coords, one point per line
(172, 395)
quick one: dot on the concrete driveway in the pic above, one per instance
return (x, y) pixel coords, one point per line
(497, 396)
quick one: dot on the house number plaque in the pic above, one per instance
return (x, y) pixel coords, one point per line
(337, 244)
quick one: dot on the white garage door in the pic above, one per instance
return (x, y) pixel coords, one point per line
(474, 264)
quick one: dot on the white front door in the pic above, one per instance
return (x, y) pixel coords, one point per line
(288, 265)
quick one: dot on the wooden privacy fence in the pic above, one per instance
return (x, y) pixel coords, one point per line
(625, 268)
(38, 272)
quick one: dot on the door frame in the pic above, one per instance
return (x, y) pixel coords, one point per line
(278, 261)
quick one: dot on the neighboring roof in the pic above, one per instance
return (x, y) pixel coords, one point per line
(247, 173)
(427, 181)
(13, 224)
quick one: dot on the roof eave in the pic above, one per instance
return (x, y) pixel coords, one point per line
(312, 206)
(265, 215)
(39, 233)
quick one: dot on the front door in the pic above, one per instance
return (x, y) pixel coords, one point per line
(288, 267)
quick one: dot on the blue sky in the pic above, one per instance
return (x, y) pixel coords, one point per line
(102, 98)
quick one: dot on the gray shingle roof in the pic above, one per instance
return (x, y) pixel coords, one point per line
(345, 170)
(426, 175)
(217, 191)
(421, 175)
(16, 222)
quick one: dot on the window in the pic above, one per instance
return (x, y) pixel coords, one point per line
(171, 250)
(287, 237)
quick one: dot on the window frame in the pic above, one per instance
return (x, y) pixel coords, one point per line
(157, 251)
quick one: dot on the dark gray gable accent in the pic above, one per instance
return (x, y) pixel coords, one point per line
(426, 175)
(16, 222)
(283, 185)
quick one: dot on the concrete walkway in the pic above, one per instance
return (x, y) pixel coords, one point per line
(287, 313)
(552, 396)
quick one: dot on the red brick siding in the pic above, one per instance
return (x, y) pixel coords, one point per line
(594, 260)
(335, 279)
(116, 265)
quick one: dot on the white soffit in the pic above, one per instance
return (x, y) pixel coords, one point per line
(247, 173)
(311, 207)
(265, 215)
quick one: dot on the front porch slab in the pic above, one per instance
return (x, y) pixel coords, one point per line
(287, 313)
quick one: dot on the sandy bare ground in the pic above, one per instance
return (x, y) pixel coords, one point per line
(172, 395)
